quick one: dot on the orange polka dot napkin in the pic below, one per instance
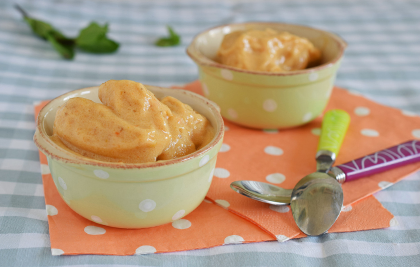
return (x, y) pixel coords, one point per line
(225, 217)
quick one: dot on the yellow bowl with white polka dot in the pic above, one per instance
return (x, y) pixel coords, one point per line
(267, 100)
(131, 195)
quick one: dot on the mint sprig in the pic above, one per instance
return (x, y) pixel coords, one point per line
(172, 40)
(91, 39)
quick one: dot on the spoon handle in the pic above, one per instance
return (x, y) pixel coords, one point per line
(393, 157)
(334, 127)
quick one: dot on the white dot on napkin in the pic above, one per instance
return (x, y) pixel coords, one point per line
(62, 183)
(369, 132)
(56, 252)
(269, 105)
(51, 210)
(45, 169)
(204, 160)
(393, 222)
(226, 128)
(221, 173)
(94, 230)
(384, 184)
(145, 250)
(362, 111)
(101, 174)
(147, 205)
(178, 215)
(181, 224)
(223, 203)
(275, 178)
(233, 239)
(416, 133)
(273, 150)
(346, 208)
(282, 238)
(408, 113)
(316, 131)
(280, 209)
(224, 148)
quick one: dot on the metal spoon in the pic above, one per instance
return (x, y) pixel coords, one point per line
(317, 198)
(325, 158)
(263, 192)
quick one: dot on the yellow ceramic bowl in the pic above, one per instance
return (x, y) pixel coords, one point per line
(131, 195)
(266, 99)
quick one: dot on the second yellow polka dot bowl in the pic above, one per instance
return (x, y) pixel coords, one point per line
(131, 195)
(267, 100)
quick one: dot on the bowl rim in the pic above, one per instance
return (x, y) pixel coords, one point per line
(201, 59)
(47, 146)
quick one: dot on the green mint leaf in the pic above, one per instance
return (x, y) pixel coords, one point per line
(173, 39)
(41, 28)
(65, 50)
(93, 39)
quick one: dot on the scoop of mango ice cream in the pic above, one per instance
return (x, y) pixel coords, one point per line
(131, 125)
(267, 50)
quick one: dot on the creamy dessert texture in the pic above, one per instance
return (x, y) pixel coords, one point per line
(267, 50)
(131, 125)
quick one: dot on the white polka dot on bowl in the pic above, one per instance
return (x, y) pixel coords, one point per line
(147, 205)
(96, 219)
(313, 76)
(226, 74)
(62, 183)
(232, 113)
(205, 89)
(204, 160)
(101, 174)
(178, 215)
(269, 105)
(307, 117)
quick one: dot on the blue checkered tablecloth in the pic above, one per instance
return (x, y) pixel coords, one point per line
(382, 62)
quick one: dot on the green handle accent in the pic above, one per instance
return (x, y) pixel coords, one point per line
(334, 128)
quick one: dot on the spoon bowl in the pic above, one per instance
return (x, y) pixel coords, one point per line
(263, 192)
(316, 203)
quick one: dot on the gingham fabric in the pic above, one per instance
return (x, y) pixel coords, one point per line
(382, 62)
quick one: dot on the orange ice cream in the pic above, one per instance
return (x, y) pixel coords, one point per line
(131, 125)
(267, 50)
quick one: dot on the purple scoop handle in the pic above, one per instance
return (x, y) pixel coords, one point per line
(393, 157)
